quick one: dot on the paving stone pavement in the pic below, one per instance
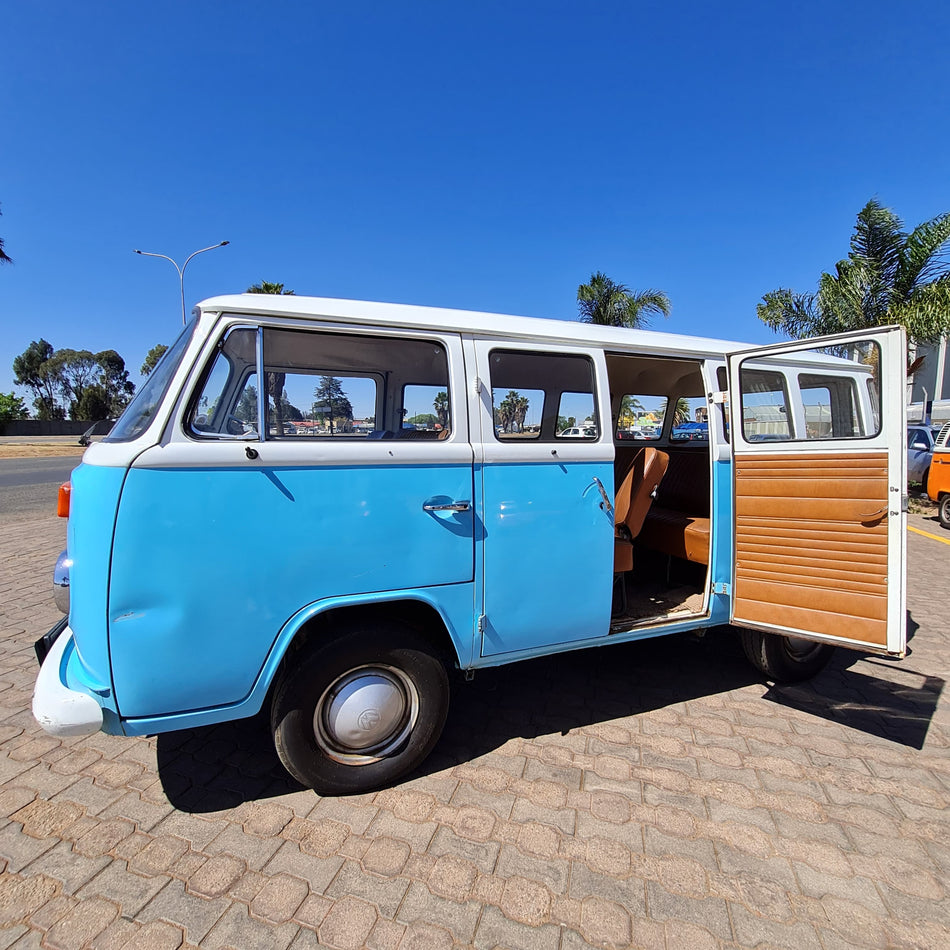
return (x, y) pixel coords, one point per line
(655, 795)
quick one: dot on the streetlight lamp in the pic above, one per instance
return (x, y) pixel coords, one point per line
(181, 270)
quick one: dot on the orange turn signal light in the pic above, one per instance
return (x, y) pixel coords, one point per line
(62, 500)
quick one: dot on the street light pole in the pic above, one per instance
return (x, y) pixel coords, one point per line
(181, 270)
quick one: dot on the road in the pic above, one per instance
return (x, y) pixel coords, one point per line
(28, 486)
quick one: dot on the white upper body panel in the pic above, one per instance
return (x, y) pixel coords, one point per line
(291, 310)
(466, 321)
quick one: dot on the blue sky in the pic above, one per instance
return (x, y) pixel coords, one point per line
(484, 156)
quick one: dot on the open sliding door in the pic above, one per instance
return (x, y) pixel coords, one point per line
(820, 482)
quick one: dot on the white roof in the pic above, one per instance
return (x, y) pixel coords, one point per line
(490, 324)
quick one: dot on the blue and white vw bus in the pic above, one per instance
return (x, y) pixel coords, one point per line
(319, 508)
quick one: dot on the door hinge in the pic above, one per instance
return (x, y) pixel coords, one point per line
(722, 588)
(718, 399)
(481, 623)
(478, 385)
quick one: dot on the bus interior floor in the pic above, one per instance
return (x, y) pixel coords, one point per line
(657, 593)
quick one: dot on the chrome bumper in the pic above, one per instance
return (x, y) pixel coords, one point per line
(61, 582)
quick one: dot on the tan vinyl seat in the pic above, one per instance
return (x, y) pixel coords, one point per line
(633, 500)
(678, 524)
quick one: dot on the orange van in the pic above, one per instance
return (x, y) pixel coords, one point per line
(938, 482)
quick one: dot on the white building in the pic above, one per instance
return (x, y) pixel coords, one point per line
(930, 384)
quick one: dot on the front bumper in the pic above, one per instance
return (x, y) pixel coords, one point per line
(61, 711)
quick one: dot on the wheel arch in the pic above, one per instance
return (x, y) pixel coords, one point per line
(318, 622)
(442, 620)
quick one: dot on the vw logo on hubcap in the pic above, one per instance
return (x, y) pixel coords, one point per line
(368, 719)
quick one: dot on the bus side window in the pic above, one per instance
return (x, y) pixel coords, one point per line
(831, 409)
(765, 405)
(542, 396)
(835, 391)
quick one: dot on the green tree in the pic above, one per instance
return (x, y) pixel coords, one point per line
(630, 408)
(77, 370)
(247, 405)
(424, 419)
(4, 257)
(94, 404)
(152, 358)
(12, 408)
(889, 276)
(512, 410)
(441, 406)
(264, 287)
(521, 411)
(680, 411)
(604, 302)
(331, 402)
(33, 369)
(289, 411)
(114, 382)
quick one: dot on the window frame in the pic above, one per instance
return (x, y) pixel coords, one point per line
(499, 347)
(449, 343)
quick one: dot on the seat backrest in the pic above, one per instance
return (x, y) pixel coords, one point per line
(638, 488)
(686, 483)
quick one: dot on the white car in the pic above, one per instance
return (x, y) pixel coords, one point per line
(578, 432)
(920, 448)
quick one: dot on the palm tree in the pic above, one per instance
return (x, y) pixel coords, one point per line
(889, 276)
(441, 406)
(630, 409)
(264, 287)
(508, 410)
(521, 411)
(680, 411)
(613, 305)
(4, 257)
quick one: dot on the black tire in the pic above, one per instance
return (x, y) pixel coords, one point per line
(324, 736)
(943, 511)
(785, 659)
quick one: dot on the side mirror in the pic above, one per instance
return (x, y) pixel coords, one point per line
(920, 445)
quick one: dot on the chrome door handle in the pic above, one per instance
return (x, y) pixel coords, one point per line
(452, 506)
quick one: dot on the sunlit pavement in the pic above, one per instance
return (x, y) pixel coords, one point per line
(654, 795)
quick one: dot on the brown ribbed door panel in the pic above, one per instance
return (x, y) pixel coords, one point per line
(811, 543)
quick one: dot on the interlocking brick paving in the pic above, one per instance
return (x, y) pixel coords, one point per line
(649, 795)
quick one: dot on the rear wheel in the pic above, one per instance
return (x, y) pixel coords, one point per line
(361, 711)
(943, 510)
(785, 659)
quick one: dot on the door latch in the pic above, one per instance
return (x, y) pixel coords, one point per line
(605, 500)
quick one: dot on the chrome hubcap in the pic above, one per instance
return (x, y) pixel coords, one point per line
(366, 714)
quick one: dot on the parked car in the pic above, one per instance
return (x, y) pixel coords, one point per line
(920, 449)
(578, 432)
(638, 433)
(690, 431)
